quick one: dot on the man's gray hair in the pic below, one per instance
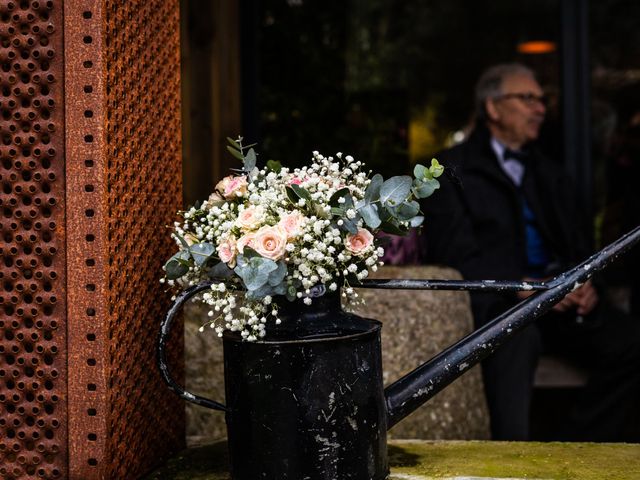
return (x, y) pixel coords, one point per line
(490, 84)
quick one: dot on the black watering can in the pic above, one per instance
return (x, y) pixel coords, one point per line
(308, 402)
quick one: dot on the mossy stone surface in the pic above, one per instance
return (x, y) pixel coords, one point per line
(426, 460)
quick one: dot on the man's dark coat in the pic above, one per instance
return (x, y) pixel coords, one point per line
(475, 222)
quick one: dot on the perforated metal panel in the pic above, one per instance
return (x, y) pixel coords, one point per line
(33, 439)
(89, 176)
(142, 58)
(123, 171)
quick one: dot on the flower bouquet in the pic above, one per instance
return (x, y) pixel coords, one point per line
(275, 233)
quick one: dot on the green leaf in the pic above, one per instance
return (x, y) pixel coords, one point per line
(235, 153)
(291, 293)
(370, 216)
(349, 226)
(425, 188)
(249, 253)
(416, 221)
(419, 171)
(177, 265)
(372, 193)
(276, 277)
(394, 229)
(201, 252)
(182, 241)
(174, 269)
(220, 270)
(292, 195)
(337, 212)
(265, 290)
(255, 271)
(333, 201)
(436, 169)
(233, 143)
(395, 190)
(385, 213)
(407, 210)
(301, 192)
(274, 165)
(250, 160)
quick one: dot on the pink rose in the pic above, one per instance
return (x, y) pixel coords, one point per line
(245, 241)
(250, 218)
(360, 242)
(231, 187)
(227, 251)
(215, 198)
(298, 180)
(292, 224)
(270, 242)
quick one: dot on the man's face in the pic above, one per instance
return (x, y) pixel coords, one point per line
(517, 114)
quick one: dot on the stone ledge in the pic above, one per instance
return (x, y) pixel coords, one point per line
(455, 460)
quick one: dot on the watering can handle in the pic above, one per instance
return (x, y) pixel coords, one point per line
(163, 337)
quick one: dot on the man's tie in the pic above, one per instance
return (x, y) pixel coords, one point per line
(514, 164)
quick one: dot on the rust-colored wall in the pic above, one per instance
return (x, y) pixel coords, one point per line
(90, 175)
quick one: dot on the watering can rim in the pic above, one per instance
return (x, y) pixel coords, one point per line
(373, 327)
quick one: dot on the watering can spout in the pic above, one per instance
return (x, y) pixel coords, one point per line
(411, 391)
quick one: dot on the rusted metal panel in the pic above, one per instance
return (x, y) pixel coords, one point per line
(87, 262)
(33, 321)
(79, 292)
(123, 170)
(143, 175)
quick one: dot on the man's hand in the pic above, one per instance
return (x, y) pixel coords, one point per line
(583, 299)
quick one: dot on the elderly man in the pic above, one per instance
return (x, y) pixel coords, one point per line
(506, 212)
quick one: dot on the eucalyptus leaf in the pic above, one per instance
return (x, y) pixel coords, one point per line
(338, 212)
(276, 277)
(250, 160)
(235, 153)
(393, 228)
(372, 193)
(395, 190)
(370, 215)
(349, 226)
(416, 221)
(255, 271)
(201, 252)
(177, 265)
(174, 269)
(248, 253)
(407, 210)
(425, 188)
(436, 169)
(384, 213)
(263, 291)
(419, 171)
(220, 270)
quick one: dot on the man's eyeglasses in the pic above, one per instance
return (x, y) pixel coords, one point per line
(529, 99)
